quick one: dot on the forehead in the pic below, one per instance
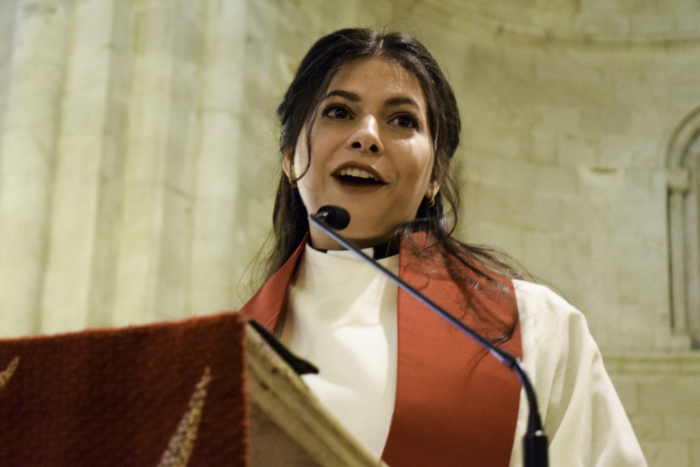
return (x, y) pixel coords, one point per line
(378, 78)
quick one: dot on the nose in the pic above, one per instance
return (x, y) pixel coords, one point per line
(366, 137)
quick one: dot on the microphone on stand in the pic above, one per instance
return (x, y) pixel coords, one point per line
(331, 218)
(337, 218)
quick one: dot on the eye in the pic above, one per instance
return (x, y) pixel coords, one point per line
(336, 111)
(406, 121)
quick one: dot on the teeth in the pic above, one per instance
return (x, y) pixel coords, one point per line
(355, 172)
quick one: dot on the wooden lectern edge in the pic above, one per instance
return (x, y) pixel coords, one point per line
(276, 390)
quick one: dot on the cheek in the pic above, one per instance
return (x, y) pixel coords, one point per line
(421, 155)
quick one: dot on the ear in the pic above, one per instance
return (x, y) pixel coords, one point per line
(288, 162)
(433, 188)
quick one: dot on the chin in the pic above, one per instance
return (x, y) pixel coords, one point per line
(362, 239)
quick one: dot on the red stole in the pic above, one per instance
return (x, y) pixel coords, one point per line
(455, 405)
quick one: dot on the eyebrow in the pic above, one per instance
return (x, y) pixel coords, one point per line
(351, 96)
(394, 101)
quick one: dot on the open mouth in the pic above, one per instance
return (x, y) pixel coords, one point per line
(357, 177)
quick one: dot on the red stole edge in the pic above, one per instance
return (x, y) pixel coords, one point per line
(455, 404)
(270, 300)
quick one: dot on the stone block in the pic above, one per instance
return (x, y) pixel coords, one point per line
(578, 215)
(634, 217)
(489, 136)
(630, 82)
(626, 151)
(539, 252)
(682, 82)
(606, 120)
(600, 22)
(571, 272)
(601, 8)
(626, 387)
(571, 72)
(557, 118)
(647, 366)
(647, 120)
(633, 7)
(681, 425)
(686, 22)
(679, 394)
(665, 340)
(576, 149)
(508, 206)
(539, 213)
(631, 331)
(554, 15)
(648, 424)
(519, 66)
(531, 179)
(543, 146)
(638, 282)
(602, 185)
(502, 237)
(563, 7)
(666, 453)
(495, 205)
(651, 24)
(554, 181)
(695, 453)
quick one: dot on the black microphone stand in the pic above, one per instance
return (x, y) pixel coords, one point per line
(535, 440)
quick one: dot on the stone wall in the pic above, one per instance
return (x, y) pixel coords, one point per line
(659, 392)
(564, 146)
(138, 159)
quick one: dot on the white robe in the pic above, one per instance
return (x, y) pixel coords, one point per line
(342, 317)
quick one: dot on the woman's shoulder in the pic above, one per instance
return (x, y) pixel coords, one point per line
(552, 329)
(532, 293)
(581, 412)
(539, 303)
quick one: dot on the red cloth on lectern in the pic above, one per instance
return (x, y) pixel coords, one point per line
(139, 396)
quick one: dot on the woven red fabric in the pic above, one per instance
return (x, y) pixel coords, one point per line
(125, 397)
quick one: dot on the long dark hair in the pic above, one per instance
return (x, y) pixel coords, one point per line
(438, 217)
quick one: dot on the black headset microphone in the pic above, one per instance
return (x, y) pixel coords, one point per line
(331, 218)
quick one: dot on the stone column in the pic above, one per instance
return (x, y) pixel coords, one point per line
(692, 216)
(678, 184)
(27, 157)
(86, 198)
(154, 250)
(213, 278)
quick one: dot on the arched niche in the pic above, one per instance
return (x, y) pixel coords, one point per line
(683, 182)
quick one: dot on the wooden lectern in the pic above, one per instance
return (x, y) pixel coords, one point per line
(206, 391)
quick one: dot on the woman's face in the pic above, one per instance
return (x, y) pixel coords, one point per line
(371, 152)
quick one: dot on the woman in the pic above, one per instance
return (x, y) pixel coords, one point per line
(371, 124)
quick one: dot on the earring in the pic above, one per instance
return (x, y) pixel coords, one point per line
(431, 203)
(293, 184)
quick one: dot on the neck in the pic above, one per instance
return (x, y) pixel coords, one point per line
(321, 241)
